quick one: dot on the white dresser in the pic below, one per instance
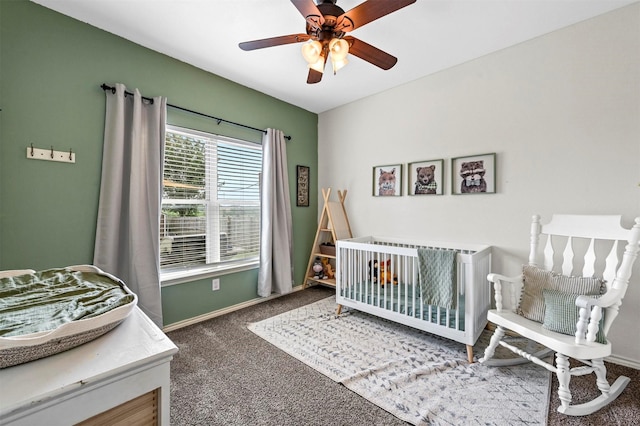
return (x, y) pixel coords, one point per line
(120, 376)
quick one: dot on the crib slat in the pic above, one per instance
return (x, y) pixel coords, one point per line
(357, 283)
(391, 287)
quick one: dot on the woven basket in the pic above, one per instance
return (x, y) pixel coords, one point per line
(29, 347)
(21, 354)
(328, 250)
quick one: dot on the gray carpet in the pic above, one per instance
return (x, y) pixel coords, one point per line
(224, 374)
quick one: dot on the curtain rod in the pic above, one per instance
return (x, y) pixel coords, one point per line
(219, 120)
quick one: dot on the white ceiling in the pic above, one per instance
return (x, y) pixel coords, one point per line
(426, 37)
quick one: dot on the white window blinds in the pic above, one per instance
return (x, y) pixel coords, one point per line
(211, 200)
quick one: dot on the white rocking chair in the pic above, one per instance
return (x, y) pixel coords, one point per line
(592, 243)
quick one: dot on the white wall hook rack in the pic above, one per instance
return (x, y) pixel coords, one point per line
(50, 155)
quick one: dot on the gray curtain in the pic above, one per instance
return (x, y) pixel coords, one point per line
(128, 227)
(276, 231)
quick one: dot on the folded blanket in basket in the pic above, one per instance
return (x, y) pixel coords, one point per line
(48, 312)
(45, 300)
(437, 274)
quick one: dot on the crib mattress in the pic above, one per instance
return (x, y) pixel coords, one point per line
(396, 298)
(47, 312)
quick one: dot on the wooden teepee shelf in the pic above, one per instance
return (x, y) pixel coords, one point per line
(333, 226)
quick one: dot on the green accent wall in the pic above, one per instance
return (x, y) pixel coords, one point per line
(51, 67)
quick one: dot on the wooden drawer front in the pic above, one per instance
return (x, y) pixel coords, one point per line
(140, 411)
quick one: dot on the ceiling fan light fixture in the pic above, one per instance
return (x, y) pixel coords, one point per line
(318, 65)
(311, 51)
(337, 64)
(339, 48)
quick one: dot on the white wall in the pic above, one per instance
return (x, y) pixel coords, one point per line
(562, 113)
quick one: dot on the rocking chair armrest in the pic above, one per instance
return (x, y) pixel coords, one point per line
(497, 281)
(608, 299)
(497, 277)
(587, 325)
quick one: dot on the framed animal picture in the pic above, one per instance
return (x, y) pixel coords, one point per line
(425, 178)
(475, 174)
(387, 180)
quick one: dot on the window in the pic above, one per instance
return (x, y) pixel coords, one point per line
(210, 201)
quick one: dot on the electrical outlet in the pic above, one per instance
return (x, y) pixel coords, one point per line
(215, 284)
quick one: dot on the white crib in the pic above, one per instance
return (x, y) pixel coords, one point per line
(401, 300)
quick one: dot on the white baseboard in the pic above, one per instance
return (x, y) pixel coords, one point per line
(625, 362)
(204, 317)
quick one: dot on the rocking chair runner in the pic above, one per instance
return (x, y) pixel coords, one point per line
(552, 290)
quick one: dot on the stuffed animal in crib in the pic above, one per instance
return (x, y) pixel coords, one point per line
(317, 268)
(373, 271)
(385, 274)
(328, 269)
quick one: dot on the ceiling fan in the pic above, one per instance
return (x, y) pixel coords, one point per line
(326, 28)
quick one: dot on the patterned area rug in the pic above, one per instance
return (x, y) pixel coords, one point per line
(418, 377)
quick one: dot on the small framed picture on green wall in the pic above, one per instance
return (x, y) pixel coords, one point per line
(302, 186)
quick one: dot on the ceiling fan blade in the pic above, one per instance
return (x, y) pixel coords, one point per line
(314, 76)
(368, 11)
(310, 12)
(370, 53)
(273, 41)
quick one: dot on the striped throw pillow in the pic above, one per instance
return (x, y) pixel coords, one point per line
(536, 280)
(562, 314)
(531, 304)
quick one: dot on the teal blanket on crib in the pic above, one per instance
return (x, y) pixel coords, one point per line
(437, 274)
